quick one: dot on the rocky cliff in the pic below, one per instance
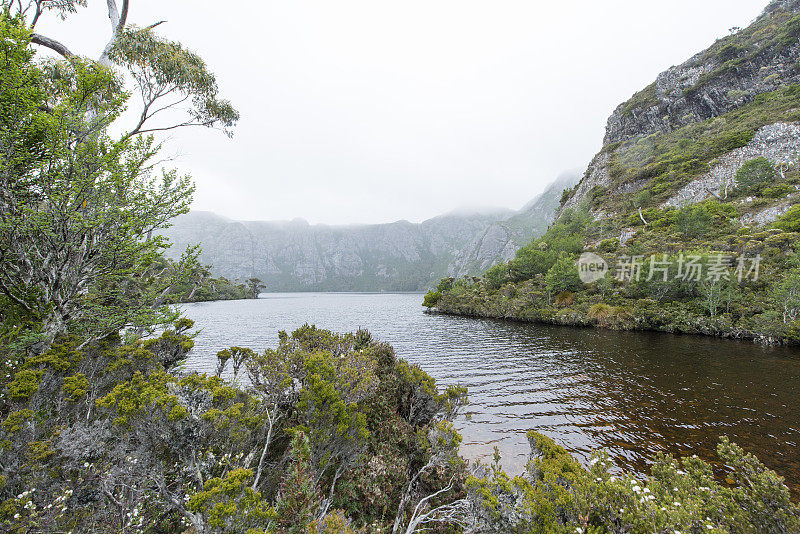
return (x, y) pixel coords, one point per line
(682, 139)
(401, 256)
(731, 73)
(704, 164)
(501, 240)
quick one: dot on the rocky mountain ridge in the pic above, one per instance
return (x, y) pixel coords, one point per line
(729, 74)
(400, 256)
(707, 97)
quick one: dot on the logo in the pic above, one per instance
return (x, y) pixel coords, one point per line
(591, 267)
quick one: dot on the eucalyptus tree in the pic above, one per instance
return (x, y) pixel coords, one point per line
(80, 207)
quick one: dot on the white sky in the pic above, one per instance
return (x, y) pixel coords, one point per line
(373, 111)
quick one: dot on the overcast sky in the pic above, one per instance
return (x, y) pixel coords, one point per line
(374, 111)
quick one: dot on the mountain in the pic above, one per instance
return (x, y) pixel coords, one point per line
(501, 239)
(726, 97)
(700, 170)
(401, 256)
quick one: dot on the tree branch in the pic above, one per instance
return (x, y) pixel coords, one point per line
(52, 44)
(38, 13)
(118, 20)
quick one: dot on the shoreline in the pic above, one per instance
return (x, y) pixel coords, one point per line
(579, 320)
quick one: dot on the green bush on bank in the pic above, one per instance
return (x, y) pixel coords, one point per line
(557, 494)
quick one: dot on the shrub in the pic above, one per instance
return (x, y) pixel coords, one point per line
(563, 276)
(497, 276)
(779, 191)
(791, 221)
(608, 245)
(755, 174)
(559, 495)
(693, 221)
(432, 299)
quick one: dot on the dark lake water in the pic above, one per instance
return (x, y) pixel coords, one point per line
(630, 393)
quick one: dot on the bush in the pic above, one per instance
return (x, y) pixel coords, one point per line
(559, 495)
(791, 221)
(779, 191)
(531, 261)
(497, 276)
(608, 245)
(693, 221)
(563, 276)
(755, 175)
(432, 299)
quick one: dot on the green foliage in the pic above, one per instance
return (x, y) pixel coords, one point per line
(162, 66)
(432, 298)
(496, 276)
(566, 195)
(790, 222)
(76, 197)
(693, 221)
(298, 498)
(321, 419)
(563, 276)
(231, 506)
(559, 495)
(755, 174)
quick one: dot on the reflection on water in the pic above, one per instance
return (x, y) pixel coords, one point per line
(631, 393)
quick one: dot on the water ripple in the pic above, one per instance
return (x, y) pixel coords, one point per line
(632, 394)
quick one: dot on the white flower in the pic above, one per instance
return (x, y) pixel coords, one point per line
(647, 490)
(592, 462)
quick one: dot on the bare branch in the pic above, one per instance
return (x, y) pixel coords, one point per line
(52, 44)
(38, 13)
(159, 23)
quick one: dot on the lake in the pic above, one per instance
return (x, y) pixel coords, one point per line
(630, 393)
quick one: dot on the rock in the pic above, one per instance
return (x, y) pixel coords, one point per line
(708, 85)
(779, 143)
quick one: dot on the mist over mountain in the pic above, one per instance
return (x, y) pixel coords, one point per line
(400, 256)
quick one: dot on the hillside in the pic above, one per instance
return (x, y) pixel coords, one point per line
(691, 204)
(501, 239)
(400, 256)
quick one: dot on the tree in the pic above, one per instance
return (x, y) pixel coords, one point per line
(693, 221)
(755, 174)
(497, 276)
(787, 295)
(79, 207)
(255, 287)
(563, 276)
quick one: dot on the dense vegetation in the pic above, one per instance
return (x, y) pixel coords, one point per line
(102, 428)
(200, 286)
(541, 283)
